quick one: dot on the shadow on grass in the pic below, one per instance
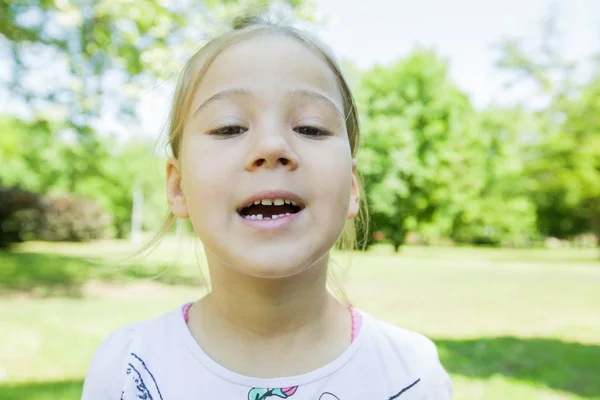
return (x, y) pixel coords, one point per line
(64, 390)
(565, 366)
(46, 274)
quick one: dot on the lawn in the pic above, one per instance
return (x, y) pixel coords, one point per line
(509, 324)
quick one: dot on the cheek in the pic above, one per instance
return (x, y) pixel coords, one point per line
(334, 177)
(204, 178)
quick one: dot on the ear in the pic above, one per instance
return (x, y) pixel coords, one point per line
(175, 194)
(354, 194)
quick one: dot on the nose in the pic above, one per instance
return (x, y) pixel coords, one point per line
(271, 148)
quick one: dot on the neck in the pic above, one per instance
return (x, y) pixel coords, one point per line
(245, 319)
(255, 306)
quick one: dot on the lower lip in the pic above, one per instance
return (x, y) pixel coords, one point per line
(269, 225)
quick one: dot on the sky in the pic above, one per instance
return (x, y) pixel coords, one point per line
(464, 31)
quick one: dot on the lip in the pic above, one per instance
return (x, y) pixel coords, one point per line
(272, 195)
(271, 225)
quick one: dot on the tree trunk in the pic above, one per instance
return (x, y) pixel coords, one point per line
(136, 215)
(398, 238)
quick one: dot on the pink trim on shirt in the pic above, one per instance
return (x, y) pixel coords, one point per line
(356, 322)
(355, 316)
(186, 312)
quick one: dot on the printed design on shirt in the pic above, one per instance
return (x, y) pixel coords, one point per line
(284, 393)
(145, 386)
(331, 396)
(328, 396)
(405, 389)
(261, 393)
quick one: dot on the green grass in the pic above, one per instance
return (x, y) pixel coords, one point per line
(42, 390)
(509, 324)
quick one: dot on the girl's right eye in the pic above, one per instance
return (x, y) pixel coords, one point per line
(230, 130)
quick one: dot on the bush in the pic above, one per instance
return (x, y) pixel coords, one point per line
(66, 218)
(26, 216)
(19, 215)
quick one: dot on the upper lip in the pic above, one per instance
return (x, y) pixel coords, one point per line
(272, 195)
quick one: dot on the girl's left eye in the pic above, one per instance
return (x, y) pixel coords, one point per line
(311, 131)
(230, 130)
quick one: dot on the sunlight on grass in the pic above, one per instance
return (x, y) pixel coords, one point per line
(499, 387)
(509, 324)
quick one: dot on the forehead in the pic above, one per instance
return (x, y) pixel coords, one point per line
(269, 64)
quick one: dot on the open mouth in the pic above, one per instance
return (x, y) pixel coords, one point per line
(267, 209)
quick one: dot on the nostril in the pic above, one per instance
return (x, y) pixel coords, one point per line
(284, 161)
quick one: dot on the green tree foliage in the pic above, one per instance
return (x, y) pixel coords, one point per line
(84, 60)
(41, 160)
(502, 213)
(564, 162)
(567, 168)
(131, 165)
(422, 155)
(106, 169)
(29, 156)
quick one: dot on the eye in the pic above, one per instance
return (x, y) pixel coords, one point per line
(311, 131)
(230, 130)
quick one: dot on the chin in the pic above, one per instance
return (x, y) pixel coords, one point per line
(276, 268)
(278, 263)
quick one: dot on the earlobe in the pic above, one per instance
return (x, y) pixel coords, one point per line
(175, 195)
(354, 194)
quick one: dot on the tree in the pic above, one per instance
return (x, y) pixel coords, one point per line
(96, 56)
(568, 168)
(564, 161)
(29, 155)
(502, 213)
(132, 165)
(421, 153)
(37, 161)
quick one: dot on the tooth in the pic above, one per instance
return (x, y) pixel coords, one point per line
(258, 216)
(267, 218)
(278, 202)
(256, 202)
(281, 215)
(294, 203)
(266, 202)
(275, 216)
(251, 216)
(287, 201)
(288, 213)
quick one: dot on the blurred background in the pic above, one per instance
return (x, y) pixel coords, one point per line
(480, 156)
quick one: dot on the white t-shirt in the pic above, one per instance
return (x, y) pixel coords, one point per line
(160, 360)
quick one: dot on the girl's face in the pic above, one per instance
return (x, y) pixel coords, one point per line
(265, 169)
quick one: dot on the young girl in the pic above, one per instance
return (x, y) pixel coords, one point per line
(264, 132)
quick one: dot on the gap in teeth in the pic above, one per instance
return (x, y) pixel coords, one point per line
(260, 216)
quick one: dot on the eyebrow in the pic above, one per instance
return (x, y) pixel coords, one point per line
(241, 92)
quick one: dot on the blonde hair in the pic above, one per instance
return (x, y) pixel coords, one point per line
(193, 72)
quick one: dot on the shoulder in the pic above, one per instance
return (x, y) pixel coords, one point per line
(402, 342)
(414, 353)
(106, 373)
